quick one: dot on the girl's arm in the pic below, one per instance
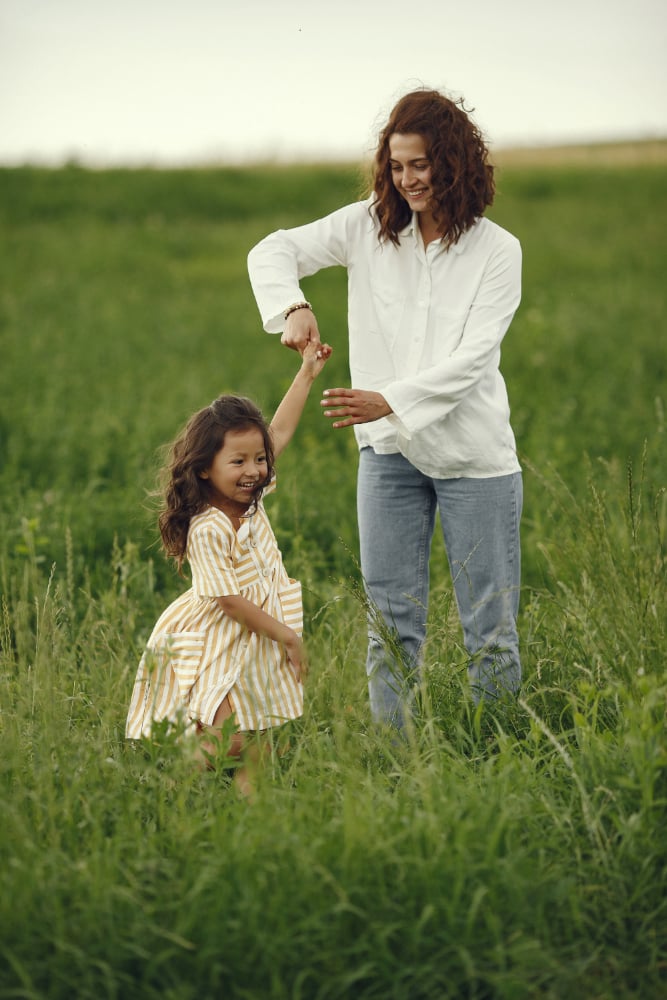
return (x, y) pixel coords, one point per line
(286, 417)
(255, 620)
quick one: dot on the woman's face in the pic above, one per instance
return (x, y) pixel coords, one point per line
(411, 169)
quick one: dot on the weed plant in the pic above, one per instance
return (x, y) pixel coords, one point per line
(502, 852)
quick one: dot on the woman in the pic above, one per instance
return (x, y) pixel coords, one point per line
(432, 288)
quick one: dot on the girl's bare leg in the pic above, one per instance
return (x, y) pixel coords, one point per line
(250, 753)
(252, 757)
(209, 736)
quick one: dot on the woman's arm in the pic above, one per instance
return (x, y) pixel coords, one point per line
(288, 414)
(279, 261)
(300, 329)
(255, 620)
(416, 400)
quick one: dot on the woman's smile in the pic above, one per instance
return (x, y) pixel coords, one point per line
(415, 194)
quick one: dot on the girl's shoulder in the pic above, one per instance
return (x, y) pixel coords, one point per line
(210, 520)
(269, 488)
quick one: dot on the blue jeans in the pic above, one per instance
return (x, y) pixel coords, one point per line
(396, 507)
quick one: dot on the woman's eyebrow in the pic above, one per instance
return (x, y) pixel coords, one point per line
(417, 159)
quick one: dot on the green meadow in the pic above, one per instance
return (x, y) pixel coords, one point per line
(503, 853)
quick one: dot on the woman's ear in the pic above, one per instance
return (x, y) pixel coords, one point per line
(204, 474)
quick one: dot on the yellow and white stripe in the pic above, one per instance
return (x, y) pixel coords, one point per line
(196, 655)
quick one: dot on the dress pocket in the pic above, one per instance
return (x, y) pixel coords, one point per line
(291, 603)
(183, 652)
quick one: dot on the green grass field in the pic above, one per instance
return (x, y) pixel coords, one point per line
(499, 855)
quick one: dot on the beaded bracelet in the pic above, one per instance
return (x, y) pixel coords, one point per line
(297, 305)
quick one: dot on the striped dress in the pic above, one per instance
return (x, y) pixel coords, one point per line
(197, 655)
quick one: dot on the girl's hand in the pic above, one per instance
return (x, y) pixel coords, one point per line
(355, 406)
(314, 357)
(296, 654)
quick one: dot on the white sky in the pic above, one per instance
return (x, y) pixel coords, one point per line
(181, 81)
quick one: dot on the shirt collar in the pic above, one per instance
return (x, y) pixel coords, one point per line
(412, 230)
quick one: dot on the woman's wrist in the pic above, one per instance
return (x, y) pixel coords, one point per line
(295, 306)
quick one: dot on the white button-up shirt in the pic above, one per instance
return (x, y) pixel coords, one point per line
(425, 328)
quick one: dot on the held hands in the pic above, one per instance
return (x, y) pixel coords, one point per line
(355, 406)
(348, 406)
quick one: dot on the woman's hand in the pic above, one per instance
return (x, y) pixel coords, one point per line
(300, 329)
(355, 406)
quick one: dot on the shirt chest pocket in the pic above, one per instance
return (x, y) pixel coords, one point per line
(385, 321)
(447, 327)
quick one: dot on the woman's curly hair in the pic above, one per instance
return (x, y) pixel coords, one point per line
(185, 493)
(462, 177)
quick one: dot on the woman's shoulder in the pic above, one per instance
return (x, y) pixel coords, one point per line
(489, 231)
(356, 217)
(486, 240)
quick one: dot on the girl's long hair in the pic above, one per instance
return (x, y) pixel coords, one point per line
(462, 178)
(185, 492)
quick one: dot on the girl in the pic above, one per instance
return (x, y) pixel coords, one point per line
(231, 644)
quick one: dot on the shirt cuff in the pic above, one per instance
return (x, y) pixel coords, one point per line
(276, 323)
(393, 417)
(398, 424)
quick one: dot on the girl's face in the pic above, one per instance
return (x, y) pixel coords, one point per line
(237, 469)
(411, 169)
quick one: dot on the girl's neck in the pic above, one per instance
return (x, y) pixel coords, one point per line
(234, 511)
